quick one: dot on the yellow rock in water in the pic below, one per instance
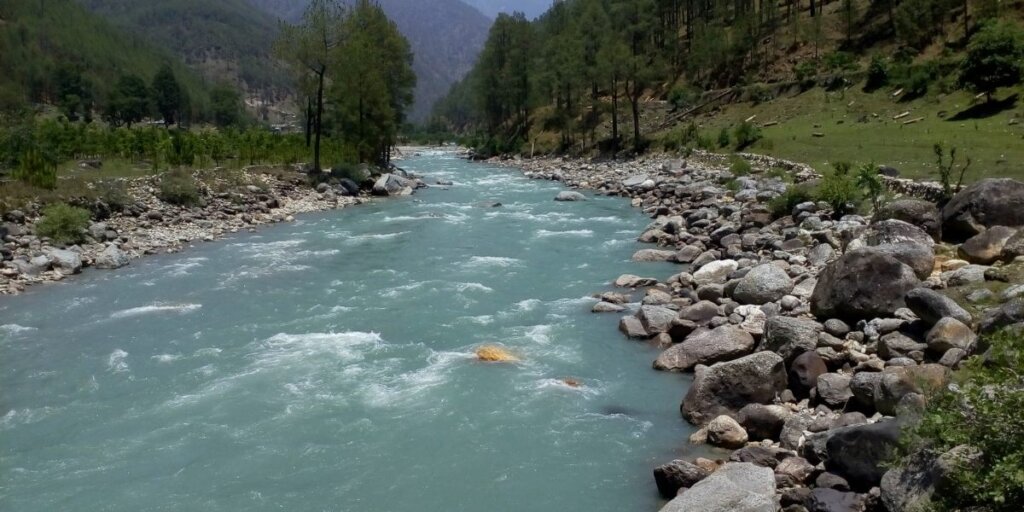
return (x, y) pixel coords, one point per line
(495, 354)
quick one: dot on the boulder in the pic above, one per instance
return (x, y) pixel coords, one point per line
(931, 306)
(724, 388)
(678, 474)
(735, 487)
(859, 453)
(950, 333)
(653, 255)
(824, 499)
(911, 485)
(789, 337)
(762, 284)
(1010, 314)
(834, 389)
(633, 328)
(632, 281)
(923, 214)
(863, 385)
(390, 185)
(569, 195)
(715, 272)
(607, 307)
(68, 262)
(110, 258)
(897, 344)
(918, 257)
(989, 202)
(656, 319)
(1014, 247)
(794, 470)
(725, 432)
(763, 421)
(862, 284)
(896, 232)
(986, 247)
(965, 275)
(804, 372)
(706, 347)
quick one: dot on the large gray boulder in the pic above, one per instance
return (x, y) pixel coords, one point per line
(923, 214)
(715, 272)
(789, 337)
(570, 195)
(918, 257)
(1010, 314)
(724, 388)
(706, 347)
(894, 231)
(656, 319)
(861, 285)
(763, 284)
(392, 185)
(859, 453)
(989, 202)
(110, 258)
(911, 485)
(678, 474)
(986, 247)
(735, 487)
(932, 306)
(68, 262)
(653, 255)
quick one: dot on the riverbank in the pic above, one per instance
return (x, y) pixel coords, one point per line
(813, 336)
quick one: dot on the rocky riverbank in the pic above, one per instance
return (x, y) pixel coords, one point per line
(146, 225)
(812, 337)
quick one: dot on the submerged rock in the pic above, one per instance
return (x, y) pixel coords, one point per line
(495, 354)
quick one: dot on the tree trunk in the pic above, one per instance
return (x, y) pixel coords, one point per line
(318, 126)
(309, 122)
(634, 104)
(615, 114)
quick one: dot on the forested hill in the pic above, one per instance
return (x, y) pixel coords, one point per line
(531, 8)
(226, 40)
(56, 48)
(445, 35)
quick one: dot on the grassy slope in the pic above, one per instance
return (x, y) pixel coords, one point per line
(995, 146)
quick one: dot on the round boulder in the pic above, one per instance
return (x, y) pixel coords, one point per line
(763, 284)
(923, 214)
(862, 284)
(706, 347)
(724, 388)
(989, 202)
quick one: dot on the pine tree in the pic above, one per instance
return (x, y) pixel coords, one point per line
(167, 95)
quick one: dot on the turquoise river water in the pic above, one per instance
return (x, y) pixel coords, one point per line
(327, 365)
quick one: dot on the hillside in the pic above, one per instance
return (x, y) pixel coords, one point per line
(38, 40)
(225, 40)
(531, 8)
(446, 36)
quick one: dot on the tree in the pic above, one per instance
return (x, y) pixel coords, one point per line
(167, 95)
(612, 58)
(74, 94)
(309, 47)
(225, 106)
(636, 19)
(995, 58)
(129, 103)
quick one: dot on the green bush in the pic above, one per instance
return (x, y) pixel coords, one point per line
(739, 166)
(34, 170)
(878, 73)
(780, 173)
(680, 138)
(982, 411)
(839, 189)
(840, 61)
(682, 97)
(995, 58)
(746, 134)
(869, 181)
(179, 187)
(356, 173)
(723, 138)
(63, 223)
(806, 73)
(784, 204)
(114, 193)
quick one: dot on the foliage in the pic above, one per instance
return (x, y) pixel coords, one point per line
(995, 58)
(806, 73)
(870, 182)
(179, 187)
(918, 21)
(746, 134)
(878, 73)
(723, 138)
(683, 97)
(947, 168)
(63, 223)
(129, 103)
(168, 97)
(783, 204)
(739, 166)
(34, 170)
(981, 410)
(840, 61)
(225, 106)
(839, 189)
(684, 137)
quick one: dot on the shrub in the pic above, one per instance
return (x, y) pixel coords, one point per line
(682, 97)
(878, 73)
(806, 73)
(983, 411)
(746, 134)
(679, 138)
(179, 187)
(723, 138)
(34, 170)
(869, 181)
(840, 61)
(63, 223)
(947, 168)
(995, 58)
(784, 204)
(740, 166)
(839, 189)
(780, 173)
(114, 193)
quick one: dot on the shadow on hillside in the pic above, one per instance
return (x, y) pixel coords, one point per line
(987, 109)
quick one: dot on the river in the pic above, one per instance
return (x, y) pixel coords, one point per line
(327, 364)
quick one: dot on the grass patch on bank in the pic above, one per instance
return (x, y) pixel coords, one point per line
(819, 127)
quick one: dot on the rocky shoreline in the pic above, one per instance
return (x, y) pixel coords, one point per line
(147, 225)
(812, 337)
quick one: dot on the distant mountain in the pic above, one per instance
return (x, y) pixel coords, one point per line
(227, 40)
(445, 35)
(531, 8)
(39, 39)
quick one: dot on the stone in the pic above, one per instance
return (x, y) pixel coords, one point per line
(763, 421)
(965, 275)
(656, 319)
(706, 347)
(725, 432)
(1006, 315)
(804, 372)
(950, 333)
(632, 281)
(862, 284)
(832, 500)
(858, 453)
(607, 307)
(1014, 247)
(764, 456)
(390, 185)
(894, 232)
(676, 475)
(763, 283)
(631, 327)
(653, 255)
(834, 389)
(923, 214)
(796, 470)
(569, 195)
(68, 262)
(789, 337)
(897, 344)
(911, 485)
(701, 312)
(735, 487)
(931, 306)
(715, 272)
(918, 257)
(863, 385)
(837, 327)
(986, 247)
(986, 203)
(726, 387)
(110, 258)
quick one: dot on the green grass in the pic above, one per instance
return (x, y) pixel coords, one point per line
(994, 145)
